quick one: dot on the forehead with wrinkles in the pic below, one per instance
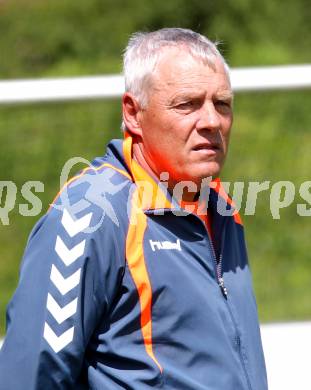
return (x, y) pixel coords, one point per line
(179, 72)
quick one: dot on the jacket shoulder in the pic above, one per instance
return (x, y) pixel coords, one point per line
(101, 190)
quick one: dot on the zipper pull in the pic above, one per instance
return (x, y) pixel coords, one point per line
(223, 287)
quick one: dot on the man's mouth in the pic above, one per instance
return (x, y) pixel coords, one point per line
(211, 147)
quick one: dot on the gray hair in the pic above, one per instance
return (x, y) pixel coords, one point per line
(144, 50)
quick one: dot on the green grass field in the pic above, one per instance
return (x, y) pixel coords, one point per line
(271, 140)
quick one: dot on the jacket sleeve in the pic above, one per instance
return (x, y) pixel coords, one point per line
(69, 276)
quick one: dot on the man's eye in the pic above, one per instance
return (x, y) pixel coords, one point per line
(185, 105)
(223, 105)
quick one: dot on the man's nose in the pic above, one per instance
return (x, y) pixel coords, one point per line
(209, 118)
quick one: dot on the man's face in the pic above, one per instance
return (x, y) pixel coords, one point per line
(186, 125)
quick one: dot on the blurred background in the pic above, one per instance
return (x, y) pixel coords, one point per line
(271, 137)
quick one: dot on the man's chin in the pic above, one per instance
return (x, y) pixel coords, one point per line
(211, 172)
(196, 174)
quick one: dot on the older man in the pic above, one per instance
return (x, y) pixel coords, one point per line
(138, 276)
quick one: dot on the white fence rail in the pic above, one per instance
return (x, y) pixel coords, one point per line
(287, 350)
(106, 87)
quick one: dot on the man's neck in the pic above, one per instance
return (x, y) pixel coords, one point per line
(139, 157)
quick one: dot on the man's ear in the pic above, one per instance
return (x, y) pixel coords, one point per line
(131, 114)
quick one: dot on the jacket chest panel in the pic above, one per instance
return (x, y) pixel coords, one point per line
(181, 269)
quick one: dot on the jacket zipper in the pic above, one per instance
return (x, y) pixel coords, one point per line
(218, 268)
(221, 283)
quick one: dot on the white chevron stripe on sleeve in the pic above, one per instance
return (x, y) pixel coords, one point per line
(61, 313)
(64, 285)
(69, 256)
(57, 343)
(75, 226)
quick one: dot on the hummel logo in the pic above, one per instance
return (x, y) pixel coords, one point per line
(165, 245)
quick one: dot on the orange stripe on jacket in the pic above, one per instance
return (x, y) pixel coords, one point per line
(85, 170)
(137, 266)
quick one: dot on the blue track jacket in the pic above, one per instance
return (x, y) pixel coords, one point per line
(120, 288)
